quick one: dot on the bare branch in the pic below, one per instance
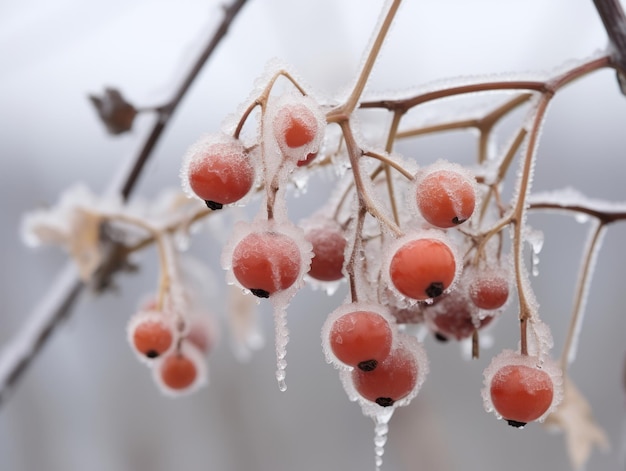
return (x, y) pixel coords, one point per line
(614, 21)
(57, 303)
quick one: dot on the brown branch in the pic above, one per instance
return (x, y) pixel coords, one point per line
(57, 303)
(614, 21)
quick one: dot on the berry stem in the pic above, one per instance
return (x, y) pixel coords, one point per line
(261, 100)
(354, 153)
(519, 219)
(159, 237)
(503, 169)
(357, 91)
(393, 129)
(355, 253)
(388, 162)
(588, 260)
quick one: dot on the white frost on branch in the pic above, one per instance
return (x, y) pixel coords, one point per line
(74, 223)
(571, 198)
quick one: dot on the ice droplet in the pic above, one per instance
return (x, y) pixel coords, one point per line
(581, 218)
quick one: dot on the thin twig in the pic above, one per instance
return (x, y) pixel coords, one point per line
(57, 303)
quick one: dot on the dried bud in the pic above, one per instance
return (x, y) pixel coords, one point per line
(114, 111)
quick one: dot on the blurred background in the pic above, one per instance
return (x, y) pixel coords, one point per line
(87, 404)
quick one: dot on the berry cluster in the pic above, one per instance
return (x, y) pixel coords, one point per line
(418, 243)
(173, 346)
(435, 262)
(380, 366)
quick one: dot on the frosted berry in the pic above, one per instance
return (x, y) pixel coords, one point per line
(266, 262)
(489, 289)
(295, 125)
(220, 173)
(521, 394)
(178, 371)
(329, 245)
(423, 268)
(393, 379)
(150, 334)
(361, 339)
(454, 317)
(445, 197)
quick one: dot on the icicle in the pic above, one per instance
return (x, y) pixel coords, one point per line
(281, 337)
(381, 429)
(535, 239)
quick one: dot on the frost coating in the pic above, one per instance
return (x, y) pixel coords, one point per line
(298, 248)
(218, 170)
(445, 194)
(74, 224)
(508, 358)
(415, 359)
(295, 125)
(421, 265)
(158, 324)
(192, 380)
(329, 245)
(342, 311)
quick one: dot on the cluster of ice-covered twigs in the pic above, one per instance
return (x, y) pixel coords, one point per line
(420, 243)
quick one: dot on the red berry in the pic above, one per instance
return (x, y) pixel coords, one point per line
(393, 379)
(151, 334)
(454, 316)
(266, 262)
(423, 268)
(178, 372)
(489, 289)
(445, 197)
(295, 125)
(521, 394)
(361, 339)
(220, 173)
(329, 245)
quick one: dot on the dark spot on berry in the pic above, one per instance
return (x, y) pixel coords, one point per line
(516, 424)
(456, 220)
(260, 293)
(384, 401)
(368, 365)
(152, 354)
(440, 337)
(435, 289)
(213, 205)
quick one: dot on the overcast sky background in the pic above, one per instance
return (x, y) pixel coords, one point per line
(87, 404)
